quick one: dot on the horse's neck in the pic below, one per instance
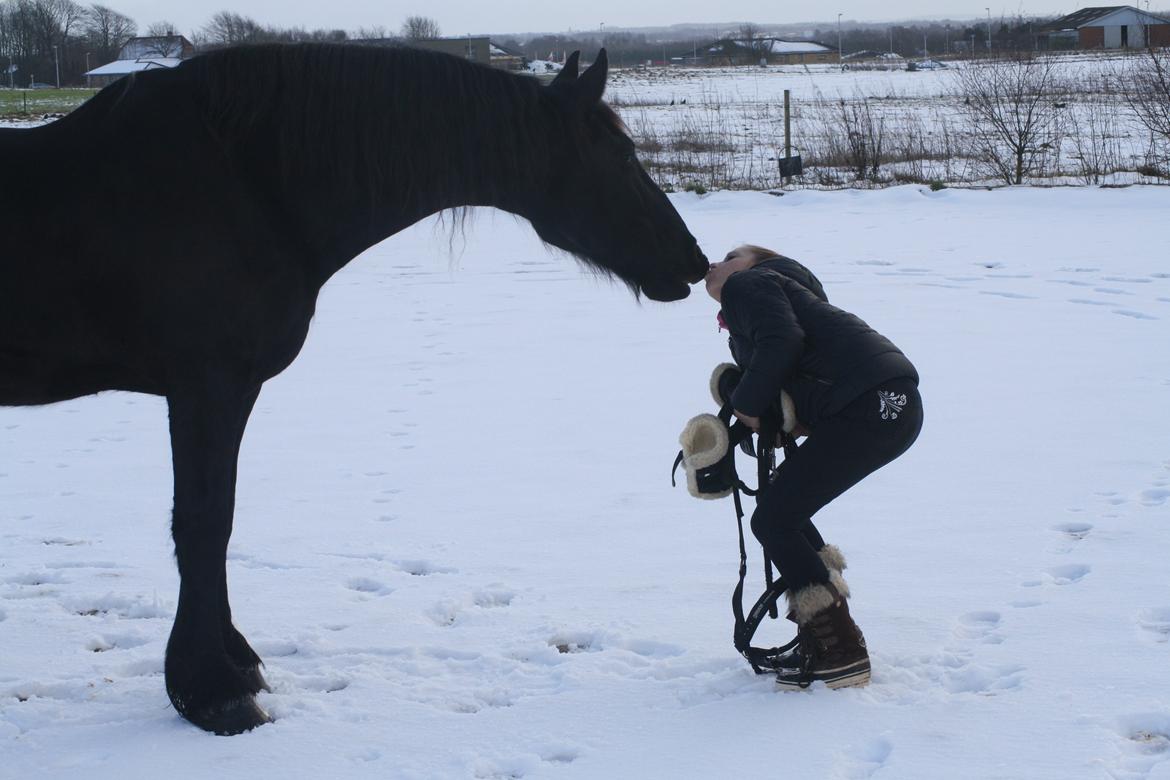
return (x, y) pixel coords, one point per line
(345, 220)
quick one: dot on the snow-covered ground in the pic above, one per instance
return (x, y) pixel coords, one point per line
(724, 127)
(466, 473)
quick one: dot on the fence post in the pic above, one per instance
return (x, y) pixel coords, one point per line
(787, 131)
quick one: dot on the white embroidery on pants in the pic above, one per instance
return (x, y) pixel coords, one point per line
(890, 404)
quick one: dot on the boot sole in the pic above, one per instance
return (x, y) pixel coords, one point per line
(852, 676)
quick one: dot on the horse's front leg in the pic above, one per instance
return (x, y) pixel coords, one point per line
(212, 674)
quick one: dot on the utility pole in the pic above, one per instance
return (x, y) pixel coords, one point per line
(57, 65)
(840, 61)
(988, 9)
(891, 39)
(87, 76)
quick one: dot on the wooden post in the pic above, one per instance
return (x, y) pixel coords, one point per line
(787, 129)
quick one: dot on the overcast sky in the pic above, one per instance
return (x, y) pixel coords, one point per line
(461, 17)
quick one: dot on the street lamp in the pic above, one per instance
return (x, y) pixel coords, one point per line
(988, 30)
(87, 76)
(57, 64)
(840, 62)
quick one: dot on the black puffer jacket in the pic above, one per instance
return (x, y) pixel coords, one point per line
(794, 270)
(785, 337)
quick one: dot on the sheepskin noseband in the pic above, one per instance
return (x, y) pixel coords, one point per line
(706, 450)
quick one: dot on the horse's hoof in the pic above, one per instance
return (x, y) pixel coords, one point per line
(235, 717)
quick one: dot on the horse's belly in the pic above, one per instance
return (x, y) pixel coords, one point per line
(27, 380)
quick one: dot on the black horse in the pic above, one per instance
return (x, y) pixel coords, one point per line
(171, 235)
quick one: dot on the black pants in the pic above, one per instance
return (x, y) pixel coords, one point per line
(867, 434)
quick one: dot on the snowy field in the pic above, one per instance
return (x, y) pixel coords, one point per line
(724, 127)
(458, 550)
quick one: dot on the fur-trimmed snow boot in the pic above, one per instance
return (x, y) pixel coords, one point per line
(834, 561)
(832, 648)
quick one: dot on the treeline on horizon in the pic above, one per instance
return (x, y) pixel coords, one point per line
(40, 36)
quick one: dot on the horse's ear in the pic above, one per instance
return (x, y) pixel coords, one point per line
(591, 85)
(568, 73)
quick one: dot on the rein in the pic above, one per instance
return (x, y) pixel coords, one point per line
(762, 660)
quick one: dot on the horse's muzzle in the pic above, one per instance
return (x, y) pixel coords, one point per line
(698, 267)
(665, 291)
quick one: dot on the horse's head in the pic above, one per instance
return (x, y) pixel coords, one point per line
(598, 203)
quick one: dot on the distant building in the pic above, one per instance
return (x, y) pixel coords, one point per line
(172, 47)
(731, 51)
(1106, 27)
(138, 54)
(507, 60)
(866, 55)
(477, 48)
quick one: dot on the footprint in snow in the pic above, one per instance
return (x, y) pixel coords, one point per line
(1016, 296)
(979, 626)
(862, 762)
(136, 608)
(1155, 496)
(1137, 315)
(1073, 530)
(1143, 742)
(984, 680)
(35, 578)
(1156, 622)
(1068, 573)
(368, 586)
(490, 598)
(421, 568)
(1111, 497)
(107, 642)
(1069, 534)
(536, 762)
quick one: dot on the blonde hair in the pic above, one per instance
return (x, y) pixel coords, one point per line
(758, 253)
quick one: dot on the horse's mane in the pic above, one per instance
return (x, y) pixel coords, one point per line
(371, 119)
(372, 114)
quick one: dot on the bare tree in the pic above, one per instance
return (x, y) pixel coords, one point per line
(1095, 138)
(1014, 107)
(753, 39)
(1146, 86)
(106, 29)
(67, 14)
(856, 136)
(228, 28)
(160, 29)
(374, 33)
(417, 28)
(51, 21)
